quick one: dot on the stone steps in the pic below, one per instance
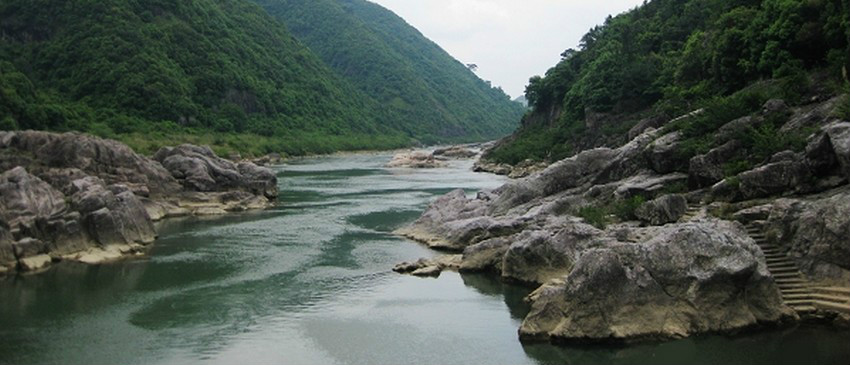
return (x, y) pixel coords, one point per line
(845, 292)
(797, 292)
(804, 309)
(692, 211)
(794, 288)
(838, 307)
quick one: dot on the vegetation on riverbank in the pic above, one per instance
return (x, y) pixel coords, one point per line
(667, 58)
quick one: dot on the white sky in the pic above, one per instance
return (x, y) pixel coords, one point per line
(509, 40)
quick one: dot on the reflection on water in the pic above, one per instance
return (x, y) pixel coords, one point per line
(308, 281)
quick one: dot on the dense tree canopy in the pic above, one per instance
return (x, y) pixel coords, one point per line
(436, 97)
(151, 70)
(673, 56)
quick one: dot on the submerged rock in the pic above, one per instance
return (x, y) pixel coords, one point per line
(429, 267)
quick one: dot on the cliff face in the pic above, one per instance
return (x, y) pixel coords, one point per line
(76, 197)
(624, 246)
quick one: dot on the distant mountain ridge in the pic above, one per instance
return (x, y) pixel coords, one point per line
(436, 97)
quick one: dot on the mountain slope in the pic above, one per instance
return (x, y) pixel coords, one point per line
(160, 68)
(667, 58)
(435, 95)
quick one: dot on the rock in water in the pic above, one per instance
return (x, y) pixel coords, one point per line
(113, 215)
(199, 169)
(415, 160)
(91, 199)
(692, 278)
(460, 152)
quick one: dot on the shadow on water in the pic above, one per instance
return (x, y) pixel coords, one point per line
(491, 285)
(385, 221)
(66, 289)
(338, 252)
(803, 344)
(797, 345)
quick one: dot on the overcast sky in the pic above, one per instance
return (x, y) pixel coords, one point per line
(509, 40)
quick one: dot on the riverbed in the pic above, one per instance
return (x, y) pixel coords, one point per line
(309, 281)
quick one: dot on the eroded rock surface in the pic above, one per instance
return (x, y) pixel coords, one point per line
(691, 278)
(78, 197)
(620, 280)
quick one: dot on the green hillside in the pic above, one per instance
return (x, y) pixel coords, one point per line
(670, 57)
(437, 97)
(157, 72)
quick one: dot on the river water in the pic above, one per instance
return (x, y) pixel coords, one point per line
(309, 282)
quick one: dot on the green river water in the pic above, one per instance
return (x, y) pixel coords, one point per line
(309, 282)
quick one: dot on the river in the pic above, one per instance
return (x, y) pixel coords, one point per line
(309, 282)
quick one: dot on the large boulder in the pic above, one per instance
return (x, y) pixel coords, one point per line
(644, 124)
(815, 115)
(447, 220)
(820, 157)
(455, 152)
(539, 255)
(109, 160)
(486, 255)
(691, 278)
(664, 154)
(815, 233)
(706, 170)
(773, 178)
(40, 215)
(662, 210)
(415, 160)
(25, 198)
(112, 215)
(199, 169)
(647, 185)
(839, 137)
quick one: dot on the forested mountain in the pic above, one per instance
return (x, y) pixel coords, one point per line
(669, 57)
(435, 95)
(224, 73)
(160, 68)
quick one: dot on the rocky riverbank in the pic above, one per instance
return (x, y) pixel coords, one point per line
(429, 159)
(76, 197)
(630, 243)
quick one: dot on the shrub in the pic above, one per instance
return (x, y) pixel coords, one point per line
(595, 216)
(843, 109)
(625, 209)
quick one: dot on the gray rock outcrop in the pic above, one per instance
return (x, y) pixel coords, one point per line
(415, 160)
(662, 210)
(199, 169)
(78, 197)
(621, 282)
(691, 278)
(815, 234)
